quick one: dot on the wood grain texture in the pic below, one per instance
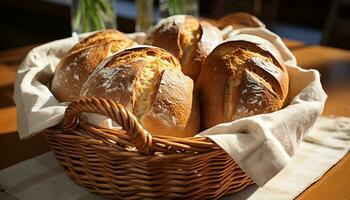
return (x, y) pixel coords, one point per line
(8, 120)
(334, 66)
(12, 149)
(333, 185)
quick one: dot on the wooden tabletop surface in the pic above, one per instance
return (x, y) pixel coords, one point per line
(334, 65)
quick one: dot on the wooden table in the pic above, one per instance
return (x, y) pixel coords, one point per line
(334, 65)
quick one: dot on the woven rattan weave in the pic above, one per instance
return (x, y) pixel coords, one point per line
(128, 163)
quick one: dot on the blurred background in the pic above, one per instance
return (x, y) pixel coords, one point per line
(27, 22)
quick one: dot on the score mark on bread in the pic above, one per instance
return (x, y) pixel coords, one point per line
(76, 66)
(241, 77)
(149, 82)
(187, 39)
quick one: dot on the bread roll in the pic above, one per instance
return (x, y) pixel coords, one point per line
(187, 39)
(149, 82)
(241, 77)
(239, 20)
(82, 59)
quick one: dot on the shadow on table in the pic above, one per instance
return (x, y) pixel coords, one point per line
(336, 74)
(242, 195)
(14, 150)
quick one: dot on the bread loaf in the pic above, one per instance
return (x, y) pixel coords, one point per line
(149, 82)
(75, 67)
(241, 77)
(187, 39)
(239, 20)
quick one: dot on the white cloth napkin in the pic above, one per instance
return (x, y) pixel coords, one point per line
(261, 145)
(42, 178)
(327, 143)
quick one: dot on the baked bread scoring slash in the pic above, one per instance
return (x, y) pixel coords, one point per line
(242, 76)
(76, 66)
(186, 38)
(148, 81)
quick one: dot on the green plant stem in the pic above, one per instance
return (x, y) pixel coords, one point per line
(92, 14)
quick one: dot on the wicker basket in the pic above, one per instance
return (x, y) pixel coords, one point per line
(129, 163)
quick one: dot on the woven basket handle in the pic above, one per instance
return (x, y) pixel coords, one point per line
(139, 138)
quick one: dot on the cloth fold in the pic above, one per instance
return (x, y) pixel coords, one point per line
(261, 145)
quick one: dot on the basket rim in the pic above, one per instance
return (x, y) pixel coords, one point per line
(131, 133)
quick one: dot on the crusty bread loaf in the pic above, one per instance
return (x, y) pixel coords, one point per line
(149, 82)
(242, 76)
(187, 39)
(105, 36)
(82, 59)
(239, 20)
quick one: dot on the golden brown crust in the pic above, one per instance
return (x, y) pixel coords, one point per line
(263, 44)
(166, 33)
(210, 38)
(106, 36)
(73, 70)
(117, 77)
(149, 82)
(240, 78)
(114, 81)
(266, 48)
(175, 109)
(76, 66)
(213, 77)
(187, 39)
(239, 20)
(189, 36)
